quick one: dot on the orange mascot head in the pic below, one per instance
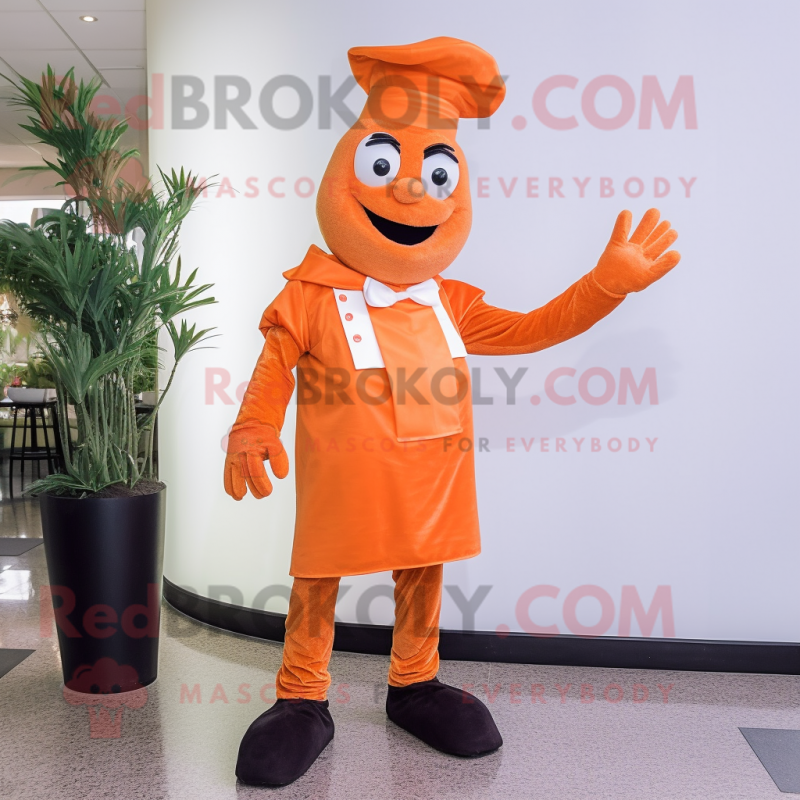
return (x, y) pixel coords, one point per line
(394, 202)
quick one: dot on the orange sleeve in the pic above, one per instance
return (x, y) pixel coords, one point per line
(489, 331)
(272, 384)
(285, 328)
(288, 310)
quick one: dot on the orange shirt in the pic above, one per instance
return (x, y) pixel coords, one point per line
(385, 463)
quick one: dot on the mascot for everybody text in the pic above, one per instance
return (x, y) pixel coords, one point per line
(379, 339)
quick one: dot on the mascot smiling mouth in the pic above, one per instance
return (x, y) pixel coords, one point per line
(397, 232)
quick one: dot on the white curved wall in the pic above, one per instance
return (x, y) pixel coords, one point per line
(710, 513)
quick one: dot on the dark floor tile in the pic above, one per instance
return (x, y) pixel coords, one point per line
(10, 658)
(779, 751)
(17, 546)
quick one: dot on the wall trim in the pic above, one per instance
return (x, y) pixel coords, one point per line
(772, 658)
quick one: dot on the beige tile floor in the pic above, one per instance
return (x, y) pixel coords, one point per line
(686, 747)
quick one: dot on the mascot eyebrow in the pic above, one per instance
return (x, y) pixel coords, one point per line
(387, 138)
(383, 138)
(439, 148)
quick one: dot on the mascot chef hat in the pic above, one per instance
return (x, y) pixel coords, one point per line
(430, 84)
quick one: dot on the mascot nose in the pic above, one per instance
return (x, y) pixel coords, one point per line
(409, 190)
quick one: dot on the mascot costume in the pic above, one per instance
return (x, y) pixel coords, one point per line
(379, 340)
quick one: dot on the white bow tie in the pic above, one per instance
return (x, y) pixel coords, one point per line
(379, 295)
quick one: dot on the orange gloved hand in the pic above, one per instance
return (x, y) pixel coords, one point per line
(630, 265)
(248, 448)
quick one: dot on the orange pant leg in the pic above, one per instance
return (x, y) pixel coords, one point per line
(418, 602)
(309, 639)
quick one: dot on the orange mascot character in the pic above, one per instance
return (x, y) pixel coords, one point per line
(379, 340)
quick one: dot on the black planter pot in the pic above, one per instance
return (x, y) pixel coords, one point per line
(105, 561)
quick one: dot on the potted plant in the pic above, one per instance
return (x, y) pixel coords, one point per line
(35, 384)
(11, 375)
(101, 300)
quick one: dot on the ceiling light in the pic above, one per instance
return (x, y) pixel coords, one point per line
(87, 18)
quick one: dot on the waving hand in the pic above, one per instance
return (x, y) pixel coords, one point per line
(632, 264)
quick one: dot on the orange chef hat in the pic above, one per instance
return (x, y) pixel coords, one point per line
(430, 84)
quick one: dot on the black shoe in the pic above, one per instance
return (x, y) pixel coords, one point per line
(446, 718)
(284, 742)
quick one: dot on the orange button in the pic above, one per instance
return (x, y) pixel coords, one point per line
(356, 338)
(343, 298)
(348, 317)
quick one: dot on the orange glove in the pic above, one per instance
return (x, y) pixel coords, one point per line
(248, 448)
(630, 265)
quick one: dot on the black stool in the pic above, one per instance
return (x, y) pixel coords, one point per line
(34, 420)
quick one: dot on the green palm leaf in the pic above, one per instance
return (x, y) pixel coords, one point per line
(98, 304)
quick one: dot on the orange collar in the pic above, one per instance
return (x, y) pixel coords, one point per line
(326, 270)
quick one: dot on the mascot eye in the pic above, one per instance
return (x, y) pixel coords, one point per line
(377, 160)
(439, 175)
